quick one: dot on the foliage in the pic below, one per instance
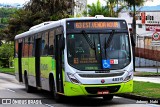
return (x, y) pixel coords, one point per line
(97, 9)
(111, 4)
(33, 13)
(135, 2)
(6, 54)
(108, 10)
(4, 16)
(6, 12)
(45, 10)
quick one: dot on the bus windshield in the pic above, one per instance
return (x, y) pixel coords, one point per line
(111, 51)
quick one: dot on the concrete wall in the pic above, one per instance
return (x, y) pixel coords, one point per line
(141, 62)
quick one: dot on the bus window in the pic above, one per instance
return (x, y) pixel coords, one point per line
(51, 42)
(45, 43)
(83, 57)
(16, 49)
(31, 45)
(25, 47)
(80, 53)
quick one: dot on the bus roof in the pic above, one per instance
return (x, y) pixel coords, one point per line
(95, 18)
(48, 25)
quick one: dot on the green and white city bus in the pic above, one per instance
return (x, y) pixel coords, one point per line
(76, 57)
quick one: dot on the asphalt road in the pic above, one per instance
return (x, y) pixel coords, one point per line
(13, 92)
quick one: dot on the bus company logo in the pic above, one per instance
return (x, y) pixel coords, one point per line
(102, 81)
(6, 101)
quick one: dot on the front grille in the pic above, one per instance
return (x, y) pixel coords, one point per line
(94, 90)
(101, 75)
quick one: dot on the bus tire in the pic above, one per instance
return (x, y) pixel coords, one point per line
(108, 97)
(57, 97)
(29, 89)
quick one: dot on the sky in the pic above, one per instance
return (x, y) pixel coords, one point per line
(149, 3)
(152, 3)
(13, 1)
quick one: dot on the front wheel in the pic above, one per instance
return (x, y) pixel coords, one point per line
(57, 97)
(108, 97)
(29, 89)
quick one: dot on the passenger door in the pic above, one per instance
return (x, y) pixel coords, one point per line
(58, 56)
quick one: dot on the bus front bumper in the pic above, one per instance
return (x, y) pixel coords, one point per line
(71, 89)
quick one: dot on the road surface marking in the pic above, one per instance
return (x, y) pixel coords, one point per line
(48, 105)
(10, 90)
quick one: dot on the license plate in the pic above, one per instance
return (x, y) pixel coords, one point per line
(103, 92)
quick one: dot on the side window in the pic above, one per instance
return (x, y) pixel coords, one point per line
(45, 43)
(31, 45)
(42, 43)
(26, 47)
(23, 47)
(16, 49)
(51, 43)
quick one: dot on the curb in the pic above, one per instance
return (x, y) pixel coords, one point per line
(147, 75)
(140, 98)
(7, 73)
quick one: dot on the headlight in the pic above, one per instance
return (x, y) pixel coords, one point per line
(73, 78)
(129, 76)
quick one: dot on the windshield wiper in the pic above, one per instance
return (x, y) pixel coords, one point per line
(109, 39)
(107, 44)
(92, 45)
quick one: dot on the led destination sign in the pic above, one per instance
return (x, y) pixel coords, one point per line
(96, 25)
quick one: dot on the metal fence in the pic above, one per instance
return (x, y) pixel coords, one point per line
(146, 55)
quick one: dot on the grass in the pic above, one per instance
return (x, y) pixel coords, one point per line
(146, 74)
(146, 89)
(7, 70)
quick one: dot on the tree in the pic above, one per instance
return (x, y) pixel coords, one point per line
(51, 9)
(18, 23)
(112, 6)
(108, 10)
(4, 16)
(134, 3)
(33, 13)
(6, 12)
(97, 9)
(6, 54)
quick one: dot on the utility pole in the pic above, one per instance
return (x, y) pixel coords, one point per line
(134, 31)
(72, 13)
(134, 19)
(117, 8)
